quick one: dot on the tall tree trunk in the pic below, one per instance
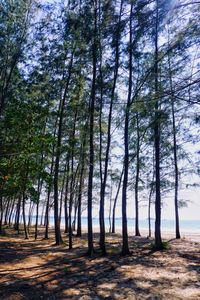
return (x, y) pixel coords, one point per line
(81, 180)
(104, 171)
(58, 237)
(158, 240)
(71, 197)
(137, 232)
(178, 236)
(91, 133)
(177, 229)
(125, 246)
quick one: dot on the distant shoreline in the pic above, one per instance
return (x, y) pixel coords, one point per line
(192, 235)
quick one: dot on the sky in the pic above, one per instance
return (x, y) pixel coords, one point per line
(191, 212)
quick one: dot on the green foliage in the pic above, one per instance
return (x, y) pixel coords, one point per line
(164, 246)
(67, 269)
(33, 194)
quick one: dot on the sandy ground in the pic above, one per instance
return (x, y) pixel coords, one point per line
(39, 270)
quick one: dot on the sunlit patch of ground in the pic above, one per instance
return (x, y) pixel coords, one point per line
(39, 270)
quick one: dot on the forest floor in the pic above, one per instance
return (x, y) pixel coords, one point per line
(39, 270)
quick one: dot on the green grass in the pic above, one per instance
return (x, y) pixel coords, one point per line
(113, 250)
(66, 269)
(165, 246)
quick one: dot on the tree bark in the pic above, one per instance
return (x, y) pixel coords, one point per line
(81, 180)
(125, 246)
(137, 232)
(6, 212)
(115, 201)
(104, 171)
(91, 134)
(1, 213)
(11, 212)
(37, 204)
(177, 229)
(66, 199)
(58, 237)
(158, 240)
(24, 216)
(17, 217)
(71, 197)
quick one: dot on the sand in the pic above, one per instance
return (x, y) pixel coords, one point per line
(39, 270)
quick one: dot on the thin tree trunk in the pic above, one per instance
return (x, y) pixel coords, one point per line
(62, 190)
(125, 246)
(137, 232)
(115, 201)
(81, 181)
(37, 206)
(1, 214)
(11, 212)
(102, 175)
(110, 206)
(158, 240)
(72, 181)
(150, 196)
(66, 199)
(13, 218)
(177, 229)
(91, 138)
(76, 187)
(6, 212)
(42, 215)
(24, 216)
(81, 184)
(70, 209)
(46, 236)
(16, 225)
(149, 211)
(105, 171)
(178, 236)
(29, 214)
(58, 237)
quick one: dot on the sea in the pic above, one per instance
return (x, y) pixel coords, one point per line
(188, 226)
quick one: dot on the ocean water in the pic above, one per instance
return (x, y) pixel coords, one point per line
(190, 226)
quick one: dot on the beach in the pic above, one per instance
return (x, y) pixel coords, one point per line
(39, 270)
